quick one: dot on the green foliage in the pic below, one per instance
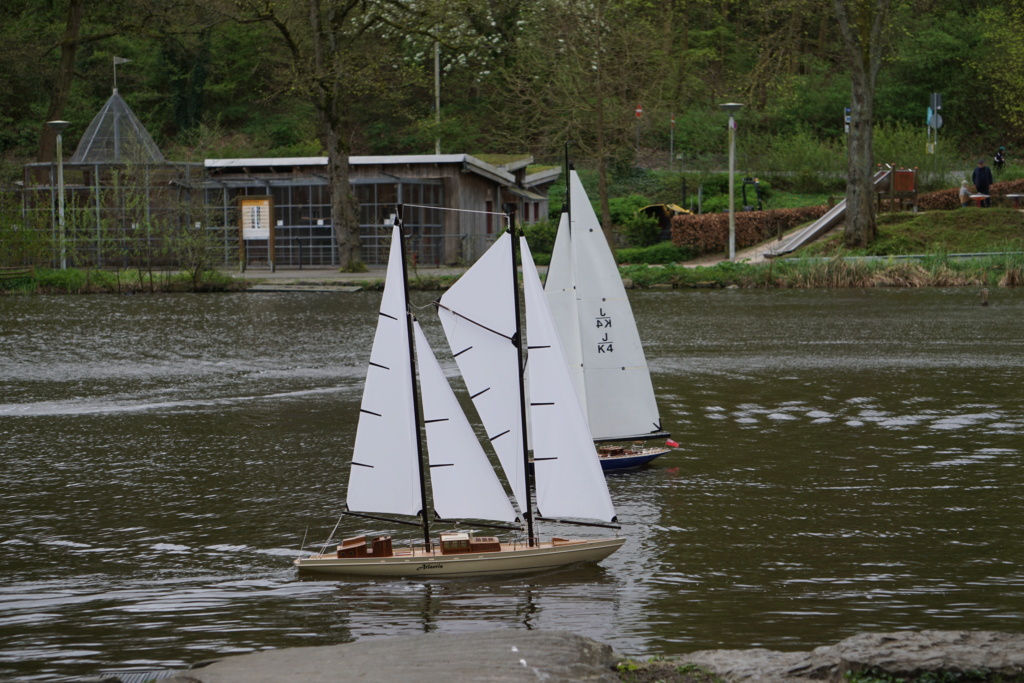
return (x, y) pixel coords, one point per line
(874, 675)
(665, 252)
(958, 231)
(622, 209)
(541, 237)
(641, 230)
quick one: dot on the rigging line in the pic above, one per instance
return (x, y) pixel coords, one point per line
(454, 210)
(438, 304)
(479, 524)
(382, 519)
(328, 541)
(575, 523)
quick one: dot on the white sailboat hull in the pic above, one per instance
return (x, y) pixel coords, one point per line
(517, 559)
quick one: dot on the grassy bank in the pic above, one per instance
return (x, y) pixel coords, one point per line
(937, 270)
(995, 238)
(92, 281)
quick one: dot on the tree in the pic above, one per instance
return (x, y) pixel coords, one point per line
(861, 23)
(581, 70)
(343, 63)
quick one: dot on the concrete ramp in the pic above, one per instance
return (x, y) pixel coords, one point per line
(819, 227)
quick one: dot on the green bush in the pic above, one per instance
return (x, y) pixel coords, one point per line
(624, 208)
(541, 238)
(641, 230)
(664, 252)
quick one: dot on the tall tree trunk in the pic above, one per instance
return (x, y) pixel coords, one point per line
(333, 126)
(860, 24)
(861, 227)
(344, 206)
(62, 85)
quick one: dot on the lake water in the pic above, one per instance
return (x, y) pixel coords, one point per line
(849, 461)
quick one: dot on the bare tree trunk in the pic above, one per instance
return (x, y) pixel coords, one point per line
(861, 227)
(860, 24)
(65, 73)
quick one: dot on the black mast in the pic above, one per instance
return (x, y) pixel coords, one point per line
(517, 339)
(568, 184)
(425, 522)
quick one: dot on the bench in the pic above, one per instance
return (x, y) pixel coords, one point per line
(12, 272)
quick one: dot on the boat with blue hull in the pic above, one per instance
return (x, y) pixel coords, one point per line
(602, 344)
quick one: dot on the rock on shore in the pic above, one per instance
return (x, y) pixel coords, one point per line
(513, 655)
(982, 655)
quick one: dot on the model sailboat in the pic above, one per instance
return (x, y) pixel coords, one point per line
(480, 314)
(597, 328)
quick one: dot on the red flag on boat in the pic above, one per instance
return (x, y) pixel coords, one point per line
(671, 444)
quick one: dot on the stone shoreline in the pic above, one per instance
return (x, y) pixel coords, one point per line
(511, 655)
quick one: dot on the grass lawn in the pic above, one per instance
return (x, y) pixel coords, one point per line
(962, 231)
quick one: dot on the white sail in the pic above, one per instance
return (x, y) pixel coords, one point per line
(570, 482)
(560, 288)
(615, 383)
(478, 316)
(385, 463)
(461, 477)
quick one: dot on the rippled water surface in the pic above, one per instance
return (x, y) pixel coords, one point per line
(849, 461)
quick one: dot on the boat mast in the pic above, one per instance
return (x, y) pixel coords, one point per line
(568, 186)
(412, 378)
(517, 339)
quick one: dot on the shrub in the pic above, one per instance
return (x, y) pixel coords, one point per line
(541, 237)
(665, 252)
(707, 233)
(624, 208)
(641, 230)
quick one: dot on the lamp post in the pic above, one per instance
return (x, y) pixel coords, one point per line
(732, 108)
(58, 127)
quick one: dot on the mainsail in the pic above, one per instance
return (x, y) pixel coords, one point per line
(570, 482)
(478, 314)
(461, 477)
(595, 322)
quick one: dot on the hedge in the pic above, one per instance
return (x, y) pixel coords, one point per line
(709, 232)
(947, 200)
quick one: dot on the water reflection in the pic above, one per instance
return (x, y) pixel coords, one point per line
(850, 461)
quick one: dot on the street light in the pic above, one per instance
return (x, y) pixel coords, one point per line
(731, 108)
(58, 127)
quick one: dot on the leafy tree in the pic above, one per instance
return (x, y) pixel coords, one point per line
(580, 71)
(343, 62)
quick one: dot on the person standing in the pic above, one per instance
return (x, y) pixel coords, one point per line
(1000, 159)
(982, 179)
(965, 195)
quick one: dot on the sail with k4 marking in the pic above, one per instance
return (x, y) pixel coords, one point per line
(595, 322)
